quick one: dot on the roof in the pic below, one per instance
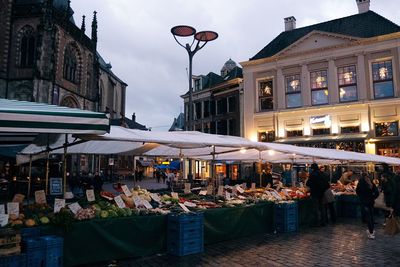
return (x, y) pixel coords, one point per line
(178, 124)
(128, 123)
(235, 73)
(211, 79)
(107, 68)
(364, 25)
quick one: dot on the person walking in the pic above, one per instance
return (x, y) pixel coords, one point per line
(318, 186)
(367, 192)
(158, 176)
(329, 198)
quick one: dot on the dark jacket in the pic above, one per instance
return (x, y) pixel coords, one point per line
(267, 179)
(396, 199)
(317, 184)
(388, 188)
(365, 193)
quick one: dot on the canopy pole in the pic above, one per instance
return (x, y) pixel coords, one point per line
(29, 177)
(260, 162)
(213, 180)
(65, 164)
(47, 164)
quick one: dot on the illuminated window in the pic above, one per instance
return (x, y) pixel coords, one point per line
(267, 136)
(321, 131)
(293, 91)
(350, 129)
(382, 75)
(294, 133)
(347, 77)
(319, 87)
(383, 129)
(265, 95)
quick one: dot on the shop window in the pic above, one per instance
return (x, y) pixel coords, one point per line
(388, 149)
(319, 87)
(70, 65)
(294, 133)
(232, 127)
(232, 104)
(222, 127)
(347, 77)
(206, 127)
(197, 110)
(382, 76)
(267, 136)
(350, 129)
(321, 131)
(206, 109)
(221, 106)
(293, 91)
(265, 95)
(384, 129)
(27, 47)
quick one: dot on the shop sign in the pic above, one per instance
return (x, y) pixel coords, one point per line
(56, 186)
(325, 119)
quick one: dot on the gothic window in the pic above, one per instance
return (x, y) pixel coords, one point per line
(70, 65)
(27, 47)
(70, 102)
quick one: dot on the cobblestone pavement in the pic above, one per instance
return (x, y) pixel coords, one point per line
(343, 244)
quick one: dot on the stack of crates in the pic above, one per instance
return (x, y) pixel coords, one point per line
(45, 251)
(54, 251)
(286, 217)
(10, 249)
(349, 206)
(185, 234)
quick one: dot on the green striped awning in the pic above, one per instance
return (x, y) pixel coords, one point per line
(22, 116)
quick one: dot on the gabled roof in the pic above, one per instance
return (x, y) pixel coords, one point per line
(364, 25)
(107, 68)
(128, 123)
(236, 72)
(211, 79)
(178, 124)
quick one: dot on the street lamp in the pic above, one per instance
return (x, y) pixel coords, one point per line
(202, 39)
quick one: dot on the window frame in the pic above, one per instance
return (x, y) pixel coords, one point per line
(376, 128)
(345, 85)
(71, 65)
(263, 97)
(270, 136)
(381, 81)
(288, 80)
(319, 88)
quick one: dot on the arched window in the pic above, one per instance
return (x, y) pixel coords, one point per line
(27, 47)
(69, 101)
(70, 65)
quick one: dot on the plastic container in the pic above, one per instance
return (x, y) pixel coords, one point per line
(286, 217)
(30, 232)
(13, 261)
(54, 251)
(35, 250)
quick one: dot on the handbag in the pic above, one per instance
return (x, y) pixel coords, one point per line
(392, 225)
(380, 202)
(328, 196)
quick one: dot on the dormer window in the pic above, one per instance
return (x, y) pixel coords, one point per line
(197, 84)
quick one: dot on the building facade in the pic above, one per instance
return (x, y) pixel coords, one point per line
(334, 84)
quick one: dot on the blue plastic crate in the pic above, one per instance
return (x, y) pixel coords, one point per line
(180, 248)
(13, 261)
(286, 217)
(173, 233)
(186, 217)
(54, 251)
(35, 249)
(287, 227)
(30, 232)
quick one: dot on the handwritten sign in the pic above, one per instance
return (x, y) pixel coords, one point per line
(59, 203)
(253, 186)
(227, 196)
(13, 208)
(147, 204)
(90, 195)
(2, 209)
(126, 190)
(40, 197)
(120, 202)
(209, 190)
(189, 204)
(244, 186)
(3, 219)
(75, 207)
(155, 197)
(220, 190)
(187, 188)
(174, 195)
(185, 209)
(137, 200)
(203, 192)
(18, 198)
(240, 189)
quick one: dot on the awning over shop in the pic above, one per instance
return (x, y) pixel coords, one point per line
(31, 117)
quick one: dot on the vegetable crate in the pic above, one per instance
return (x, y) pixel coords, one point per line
(348, 206)
(185, 234)
(286, 217)
(13, 261)
(30, 232)
(54, 251)
(9, 242)
(46, 251)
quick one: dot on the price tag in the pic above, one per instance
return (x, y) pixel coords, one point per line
(240, 189)
(253, 186)
(13, 208)
(301, 184)
(59, 203)
(276, 195)
(18, 198)
(120, 202)
(187, 188)
(185, 209)
(3, 219)
(227, 196)
(234, 191)
(244, 186)
(209, 190)
(147, 204)
(189, 204)
(90, 195)
(126, 190)
(220, 190)
(40, 197)
(137, 200)
(268, 186)
(203, 192)
(75, 207)
(2, 209)
(155, 197)
(174, 195)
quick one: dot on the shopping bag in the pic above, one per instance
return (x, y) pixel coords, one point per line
(392, 225)
(328, 196)
(380, 203)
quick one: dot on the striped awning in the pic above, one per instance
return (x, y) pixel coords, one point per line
(31, 117)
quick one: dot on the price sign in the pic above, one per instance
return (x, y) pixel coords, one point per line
(59, 203)
(2, 209)
(126, 190)
(234, 191)
(90, 195)
(220, 190)
(189, 204)
(137, 200)
(203, 192)
(187, 188)
(75, 207)
(174, 195)
(18, 198)
(155, 197)
(244, 186)
(301, 184)
(40, 197)
(253, 186)
(209, 190)
(120, 202)
(240, 189)
(147, 204)
(3, 219)
(227, 196)
(13, 208)
(185, 209)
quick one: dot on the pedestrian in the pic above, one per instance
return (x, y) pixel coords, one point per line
(329, 198)
(164, 177)
(396, 198)
(97, 183)
(317, 186)
(388, 189)
(367, 192)
(158, 176)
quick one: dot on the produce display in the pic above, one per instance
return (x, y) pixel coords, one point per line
(340, 189)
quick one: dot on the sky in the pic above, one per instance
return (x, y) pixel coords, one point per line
(134, 36)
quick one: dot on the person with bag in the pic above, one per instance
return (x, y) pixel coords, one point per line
(329, 198)
(317, 186)
(367, 192)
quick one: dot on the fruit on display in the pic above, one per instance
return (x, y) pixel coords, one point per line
(30, 223)
(44, 220)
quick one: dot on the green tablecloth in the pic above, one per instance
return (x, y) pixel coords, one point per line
(230, 223)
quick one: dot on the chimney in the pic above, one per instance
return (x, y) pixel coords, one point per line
(290, 23)
(134, 117)
(363, 6)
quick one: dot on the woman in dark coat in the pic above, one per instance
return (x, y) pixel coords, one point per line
(367, 192)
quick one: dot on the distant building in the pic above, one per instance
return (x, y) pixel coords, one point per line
(128, 123)
(178, 124)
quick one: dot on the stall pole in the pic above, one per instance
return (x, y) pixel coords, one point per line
(134, 171)
(213, 171)
(330, 173)
(29, 177)
(47, 164)
(260, 162)
(65, 164)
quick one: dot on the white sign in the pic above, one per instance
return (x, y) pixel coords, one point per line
(276, 195)
(13, 208)
(126, 190)
(40, 197)
(239, 189)
(244, 186)
(203, 192)
(111, 161)
(155, 197)
(209, 190)
(3, 219)
(90, 195)
(325, 119)
(234, 191)
(253, 186)
(189, 204)
(18, 198)
(59, 203)
(2, 209)
(74, 207)
(187, 188)
(147, 204)
(301, 184)
(220, 190)
(137, 200)
(185, 209)
(174, 195)
(227, 196)
(120, 202)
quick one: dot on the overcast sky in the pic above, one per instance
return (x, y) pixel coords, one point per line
(134, 35)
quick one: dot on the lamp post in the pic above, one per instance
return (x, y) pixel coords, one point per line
(200, 39)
